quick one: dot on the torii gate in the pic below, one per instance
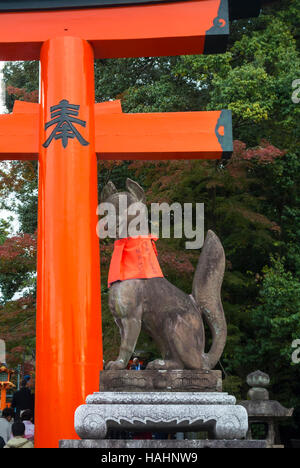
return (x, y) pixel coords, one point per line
(66, 133)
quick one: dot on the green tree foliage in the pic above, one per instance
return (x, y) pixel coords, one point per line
(274, 325)
(17, 264)
(4, 230)
(22, 82)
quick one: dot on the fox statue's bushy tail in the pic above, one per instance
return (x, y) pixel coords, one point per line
(207, 294)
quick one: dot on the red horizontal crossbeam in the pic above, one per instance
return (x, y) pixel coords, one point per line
(169, 135)
(19, 132)
(127, 31)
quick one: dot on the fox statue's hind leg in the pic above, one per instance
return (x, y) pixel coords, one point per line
(185, 344)
(174, 320)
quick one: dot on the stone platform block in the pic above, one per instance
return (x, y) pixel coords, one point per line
(163, 444)
(160, 381)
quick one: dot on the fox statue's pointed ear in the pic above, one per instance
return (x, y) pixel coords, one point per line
(107, 191)
(136, 190)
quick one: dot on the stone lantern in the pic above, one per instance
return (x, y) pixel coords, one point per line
(261, 410)
(5, 383)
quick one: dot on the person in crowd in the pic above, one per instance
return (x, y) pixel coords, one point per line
(23, 399)
(2, 443)
(5, 424)
(19, 440)
(136, 365)
(27, 418)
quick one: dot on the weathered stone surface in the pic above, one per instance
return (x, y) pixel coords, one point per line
(160, 381)
(157, 398)
(258, 393)
(258, 379)
(155, 411)
(162, 444)
(266, 409)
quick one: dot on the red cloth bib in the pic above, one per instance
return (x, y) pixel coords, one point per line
(134, 258)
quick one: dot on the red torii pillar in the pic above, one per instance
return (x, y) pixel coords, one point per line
(69, 341)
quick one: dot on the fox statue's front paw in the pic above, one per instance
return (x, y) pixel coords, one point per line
(115, 365)
(161, 364)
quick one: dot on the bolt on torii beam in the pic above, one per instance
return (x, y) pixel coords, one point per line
(66, 133)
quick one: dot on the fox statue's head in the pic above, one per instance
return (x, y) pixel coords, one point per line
(127, 211)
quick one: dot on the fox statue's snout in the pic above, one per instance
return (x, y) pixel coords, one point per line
(173, 318)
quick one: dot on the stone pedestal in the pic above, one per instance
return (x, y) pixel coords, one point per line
(216, 413)
(161, 401)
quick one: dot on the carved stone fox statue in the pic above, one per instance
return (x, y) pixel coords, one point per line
(173, 318)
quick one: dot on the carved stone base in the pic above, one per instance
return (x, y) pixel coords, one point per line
(160, 381)
(216, 413)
